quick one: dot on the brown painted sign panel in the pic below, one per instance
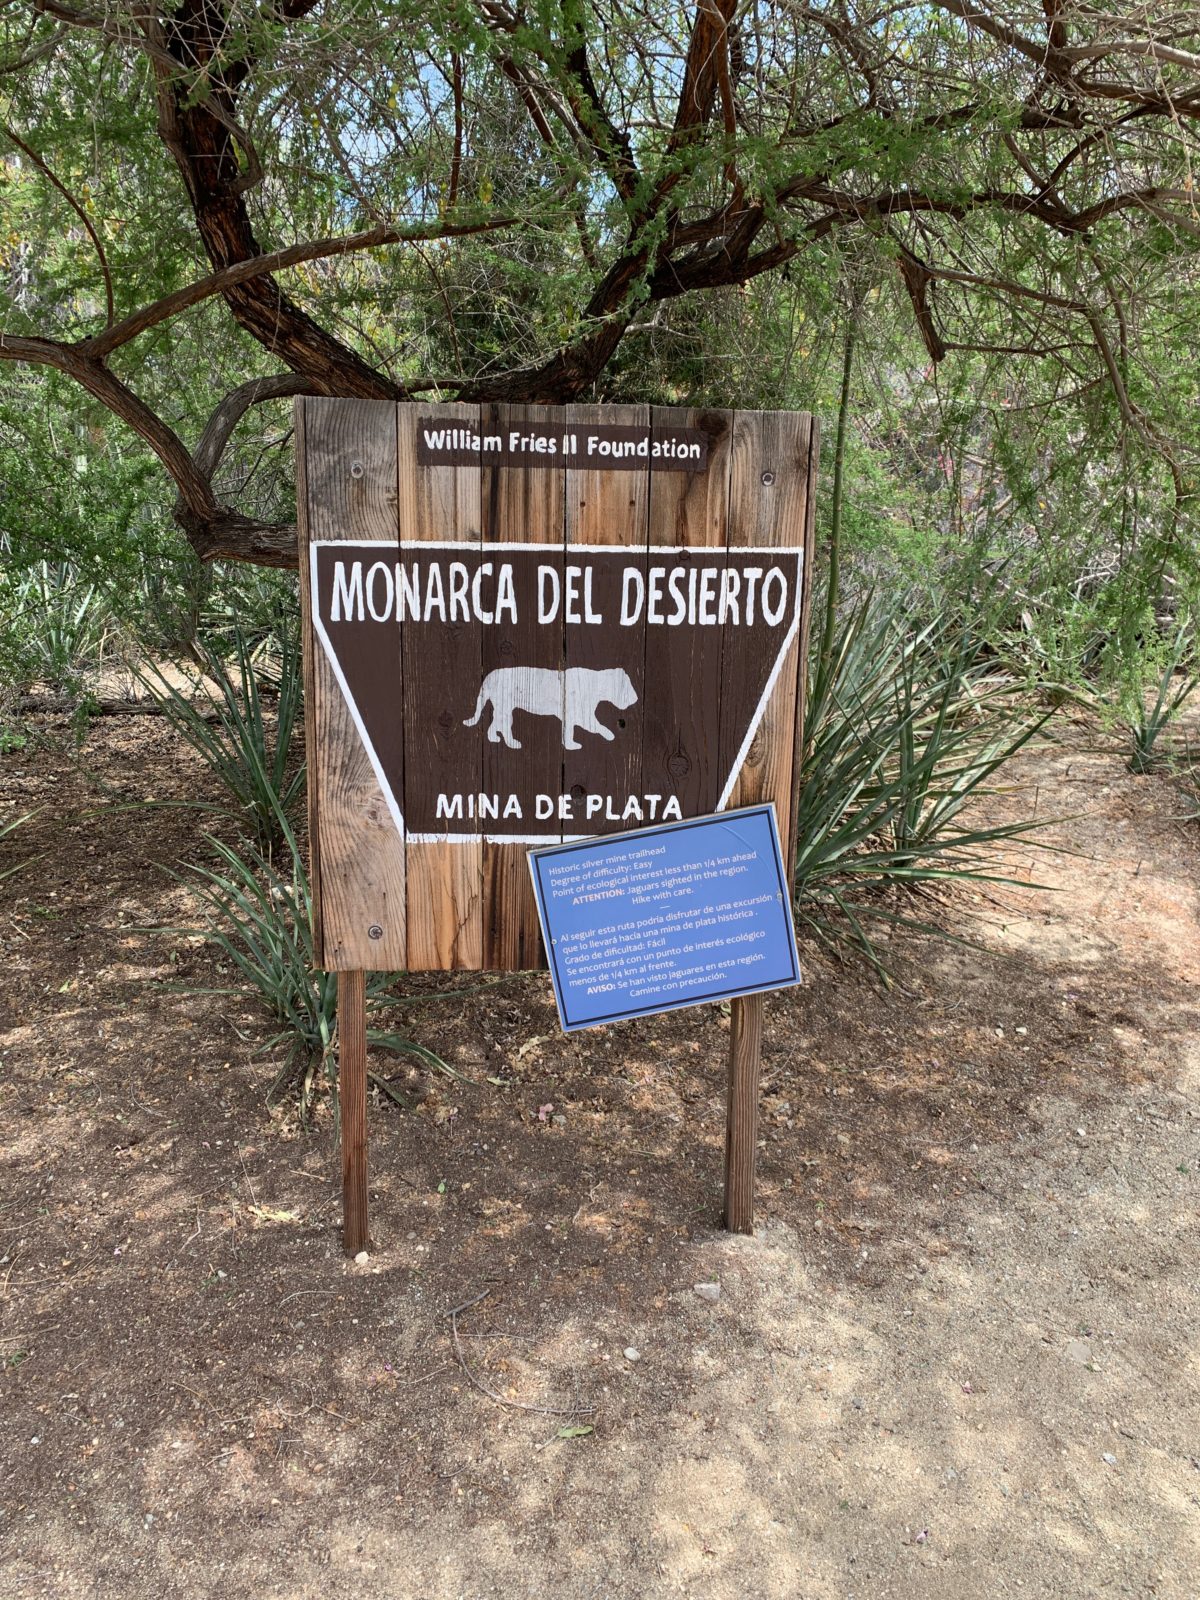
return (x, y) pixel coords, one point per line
(510, 645)
(729, 615)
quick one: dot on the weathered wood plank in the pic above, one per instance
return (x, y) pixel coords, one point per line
(687, 511)
(308, 648)
(352, 1100)
(603, 507)
(768, 505)
(349, 485)
(790, 840)
(526, 507)
(442, 676)
(741, 1109)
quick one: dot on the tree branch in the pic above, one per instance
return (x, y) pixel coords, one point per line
(240, 272)
(92, 234)
(194, 490)
(213, 530)
(1131, 47)
(610, 144)
(207, 454)
(977, 17)
(917, 281)
(701, 72)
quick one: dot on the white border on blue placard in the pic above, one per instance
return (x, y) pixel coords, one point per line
(599, 842)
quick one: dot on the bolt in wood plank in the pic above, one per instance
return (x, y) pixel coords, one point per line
(441, 679)
(524, 506)
(352, 1105)
(349, 484)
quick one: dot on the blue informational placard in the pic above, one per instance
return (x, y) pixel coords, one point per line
(660, 918)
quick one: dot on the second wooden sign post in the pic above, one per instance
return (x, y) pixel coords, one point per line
(525, 625)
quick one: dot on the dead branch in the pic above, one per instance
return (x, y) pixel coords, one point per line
(501, 1400)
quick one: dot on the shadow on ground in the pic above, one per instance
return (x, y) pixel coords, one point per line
(955, 1359)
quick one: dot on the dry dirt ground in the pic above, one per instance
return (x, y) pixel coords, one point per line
(957, 1359)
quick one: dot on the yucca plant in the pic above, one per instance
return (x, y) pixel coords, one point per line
(956, 724)
(64, 623)
(906, 727)
(1146, 724)
(260, 918)
(250, 752)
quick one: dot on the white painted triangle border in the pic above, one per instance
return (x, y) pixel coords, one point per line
(511, 544)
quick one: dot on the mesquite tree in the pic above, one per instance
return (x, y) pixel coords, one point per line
(487, 200)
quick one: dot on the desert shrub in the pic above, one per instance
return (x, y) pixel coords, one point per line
(247, 747)
(907, 726)
(54, 624)
(1145, 714)
(259, 916)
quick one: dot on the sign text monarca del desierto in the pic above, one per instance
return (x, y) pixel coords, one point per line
(530, 624)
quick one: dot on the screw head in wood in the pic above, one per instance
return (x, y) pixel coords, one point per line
(374, 931)
(768, 479)
(357, 469)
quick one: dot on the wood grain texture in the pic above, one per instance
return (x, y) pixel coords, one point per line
(469, 904)
(445, 881)
(605, 508)
(349, 482)
(308, 647)
(352, 1103)
(526, 507)
(790, 841)
(741, 1139)
(768, 505)
(687, 510)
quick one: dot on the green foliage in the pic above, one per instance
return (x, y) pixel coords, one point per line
(74, 488)
(260, 918)
(1147, 722)
(260, 603)
(249, 751)
(907, 726)
(53, 625)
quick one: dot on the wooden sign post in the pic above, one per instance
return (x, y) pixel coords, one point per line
(525, 625)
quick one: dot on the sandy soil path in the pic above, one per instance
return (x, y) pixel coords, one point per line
(958, 1359)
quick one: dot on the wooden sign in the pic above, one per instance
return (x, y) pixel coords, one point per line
(525, 625)
(724, 617)
(506, 653)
